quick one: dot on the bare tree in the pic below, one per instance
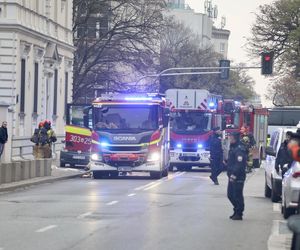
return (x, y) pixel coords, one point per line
(114, 40)
(277, 28)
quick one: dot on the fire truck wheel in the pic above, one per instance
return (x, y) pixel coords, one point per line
(156, 175)
(165, 173)
(62, 165)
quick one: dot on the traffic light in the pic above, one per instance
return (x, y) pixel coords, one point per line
(267, 61)
(225, 73)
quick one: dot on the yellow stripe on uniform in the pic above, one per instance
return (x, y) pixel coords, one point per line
(78, 130)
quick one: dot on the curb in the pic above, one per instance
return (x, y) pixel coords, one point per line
(38, 182)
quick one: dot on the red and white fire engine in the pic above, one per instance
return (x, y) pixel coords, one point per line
(253, 117)
(193, 116)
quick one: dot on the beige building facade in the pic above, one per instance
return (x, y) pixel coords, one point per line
(36, 62)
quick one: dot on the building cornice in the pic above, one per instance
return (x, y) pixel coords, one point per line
(25, 30)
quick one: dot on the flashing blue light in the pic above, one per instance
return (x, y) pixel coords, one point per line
(200, 146)
(138, 99)
(211, 105)
(179, 145)
(104, 144)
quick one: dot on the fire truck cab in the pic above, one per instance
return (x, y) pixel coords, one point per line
(193, 116)
(130, 134)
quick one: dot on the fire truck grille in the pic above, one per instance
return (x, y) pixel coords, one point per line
(189, 149)
(124, 149)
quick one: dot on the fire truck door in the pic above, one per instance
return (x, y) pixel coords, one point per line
(78, 137)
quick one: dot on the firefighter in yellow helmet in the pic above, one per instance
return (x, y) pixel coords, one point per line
(249, 142)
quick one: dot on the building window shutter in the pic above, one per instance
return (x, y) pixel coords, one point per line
(36, 87)
(55, 92)
(22, 94)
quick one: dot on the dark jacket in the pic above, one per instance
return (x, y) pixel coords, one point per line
(3, 135)
(237, 161)
(216, 150)
(283, 156)
(248, 141)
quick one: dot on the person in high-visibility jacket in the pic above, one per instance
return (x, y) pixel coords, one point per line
(51, 138)
(268, 140)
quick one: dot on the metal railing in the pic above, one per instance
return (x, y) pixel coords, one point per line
(22, 147)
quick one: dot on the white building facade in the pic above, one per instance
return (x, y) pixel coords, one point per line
(202, 26)
(36, 59)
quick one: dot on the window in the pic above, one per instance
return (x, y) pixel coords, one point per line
(222, 47)
(22, 94)
(55, 92)
(36, 87)
(66, 90)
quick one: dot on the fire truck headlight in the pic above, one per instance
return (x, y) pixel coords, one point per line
(96, 157)
(154, 156)
(200, 145)
(104, 144)
(179, 145)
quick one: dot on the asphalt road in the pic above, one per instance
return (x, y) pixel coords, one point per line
(183, 211)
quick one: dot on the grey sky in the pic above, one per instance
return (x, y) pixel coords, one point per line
(240, 16)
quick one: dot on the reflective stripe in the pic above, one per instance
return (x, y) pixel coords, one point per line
(133, 145)
(78, 130)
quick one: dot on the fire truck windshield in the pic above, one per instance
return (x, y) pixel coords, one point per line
(126, 118)
(191, 122)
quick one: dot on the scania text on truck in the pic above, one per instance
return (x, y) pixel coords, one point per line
(193, 116)
(130, 134)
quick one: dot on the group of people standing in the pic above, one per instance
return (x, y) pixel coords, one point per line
(239, 162)
(43, 138)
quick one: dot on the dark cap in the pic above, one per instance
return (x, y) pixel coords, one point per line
(216, 129)
(235, 134)
(289, 133)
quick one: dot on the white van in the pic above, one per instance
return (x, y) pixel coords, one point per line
(273, 180)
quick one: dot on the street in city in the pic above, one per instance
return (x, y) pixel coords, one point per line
(182, 211)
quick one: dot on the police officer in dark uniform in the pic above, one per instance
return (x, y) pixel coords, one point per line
(236, 170)
(216, 155)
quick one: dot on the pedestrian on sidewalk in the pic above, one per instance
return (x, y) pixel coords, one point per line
(3, 137)
(236, 171)
(216, 155)
(283, 157)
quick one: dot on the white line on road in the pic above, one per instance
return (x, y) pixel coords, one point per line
(130, 195)
(112, 203)
(141, 187)
(82, 216)
(44, 229)
(176, 175)
(277, 207)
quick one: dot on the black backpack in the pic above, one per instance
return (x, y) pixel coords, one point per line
(43, 136)
(35, 136)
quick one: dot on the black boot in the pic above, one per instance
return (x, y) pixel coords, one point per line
(237, 217)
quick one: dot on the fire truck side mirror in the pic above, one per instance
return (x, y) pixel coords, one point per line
(87, 115)
(166, 118)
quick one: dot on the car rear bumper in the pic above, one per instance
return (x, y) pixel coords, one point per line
(74, 158)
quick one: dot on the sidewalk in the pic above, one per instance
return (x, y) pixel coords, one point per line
(57, 174)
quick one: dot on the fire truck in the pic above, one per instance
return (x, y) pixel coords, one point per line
(193, 116)
(255, 118)
(123, 133)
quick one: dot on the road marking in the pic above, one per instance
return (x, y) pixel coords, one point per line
(82, 216)
(130, 195)
(277, 239)
(141, 187)
(44, 229)
(177, 175)
(112, 203)
(277, 207)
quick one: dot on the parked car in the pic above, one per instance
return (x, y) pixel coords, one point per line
(291, 190)
(273, 180)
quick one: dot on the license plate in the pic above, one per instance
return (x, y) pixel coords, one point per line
(79, 157)
(190, 154)
(124, 169)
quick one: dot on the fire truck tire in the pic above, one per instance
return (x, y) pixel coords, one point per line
(62, 165)
(97, 175)
(267, 190)
(165, 173)
(156, 175)
(274, 197)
